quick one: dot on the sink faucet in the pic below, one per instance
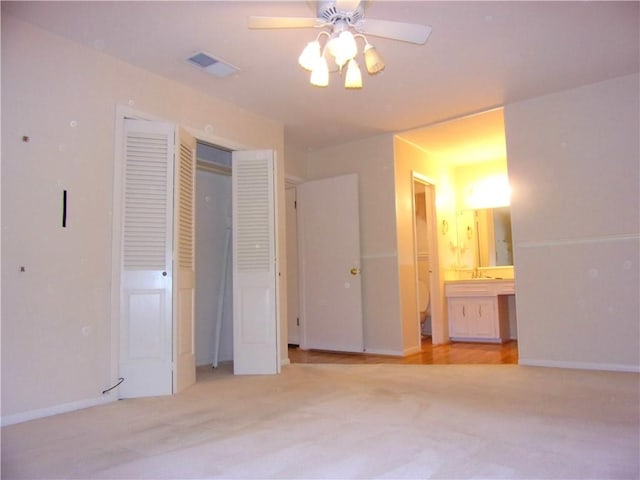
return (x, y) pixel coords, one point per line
(477, 274)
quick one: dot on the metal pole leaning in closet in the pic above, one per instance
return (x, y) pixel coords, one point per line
(222, 293)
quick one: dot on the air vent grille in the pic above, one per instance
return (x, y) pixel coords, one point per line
(212, 65)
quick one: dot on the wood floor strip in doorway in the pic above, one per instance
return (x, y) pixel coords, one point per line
(459, 353)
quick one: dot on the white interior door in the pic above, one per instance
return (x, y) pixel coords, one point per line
(293, 316)
(255, 327)
(184, 355)
(329, 242)
(147, 251)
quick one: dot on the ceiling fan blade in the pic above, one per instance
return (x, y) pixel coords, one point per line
(347, 5)
(283, 22)
(406, 32)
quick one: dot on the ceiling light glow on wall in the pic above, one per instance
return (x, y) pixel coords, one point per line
(490, 192)
(341, 48)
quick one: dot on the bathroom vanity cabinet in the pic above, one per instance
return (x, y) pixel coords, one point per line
(478, 309)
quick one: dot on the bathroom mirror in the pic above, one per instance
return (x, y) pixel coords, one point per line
(487, 232)
(494, 246)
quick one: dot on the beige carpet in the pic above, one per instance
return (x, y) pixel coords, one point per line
(349, 421)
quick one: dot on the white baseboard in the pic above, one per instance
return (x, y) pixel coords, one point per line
(56, 409)
(411, 351)
(611, 367)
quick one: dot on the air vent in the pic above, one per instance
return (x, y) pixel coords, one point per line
(212, 65)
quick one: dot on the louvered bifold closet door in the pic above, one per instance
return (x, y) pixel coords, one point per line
(146, 272)
(255, 329)
(184, 268)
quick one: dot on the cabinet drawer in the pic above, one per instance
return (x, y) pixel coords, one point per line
(467, 290)
(479, 288)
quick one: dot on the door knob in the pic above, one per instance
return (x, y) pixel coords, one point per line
(355, 271)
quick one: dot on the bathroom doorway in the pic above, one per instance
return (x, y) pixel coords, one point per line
(426, 260)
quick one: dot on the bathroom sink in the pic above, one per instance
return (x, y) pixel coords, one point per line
(480, 287)
(480, 280)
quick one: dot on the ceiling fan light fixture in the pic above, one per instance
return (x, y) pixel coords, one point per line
(333, 48)
(310, 55)
(320, 73)
(348, 47)
(342, 22)
(372, 59)
(342, 47)
(353, 77)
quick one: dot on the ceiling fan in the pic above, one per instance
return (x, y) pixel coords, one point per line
(337, 18)
(348, 13)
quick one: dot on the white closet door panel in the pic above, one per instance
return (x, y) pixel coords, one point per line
(184, 247)
(145, 332)
(148, 176)
(255, 329)
(146, 290)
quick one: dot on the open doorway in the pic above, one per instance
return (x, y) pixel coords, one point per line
(423, 258)
(235, 232)
(430, 324)
(214, 282)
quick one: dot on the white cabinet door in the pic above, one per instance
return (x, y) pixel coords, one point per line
(473, 318)
(458, 318)
(255, 320)
(484, 322)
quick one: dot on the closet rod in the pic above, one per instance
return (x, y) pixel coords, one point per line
(213, 168)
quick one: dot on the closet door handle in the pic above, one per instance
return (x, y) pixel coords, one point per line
(164, 274)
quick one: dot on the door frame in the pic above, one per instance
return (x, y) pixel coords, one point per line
(439, 331)
(293, 276)
(122, 113)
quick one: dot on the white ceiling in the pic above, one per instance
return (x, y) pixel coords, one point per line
(480, 55)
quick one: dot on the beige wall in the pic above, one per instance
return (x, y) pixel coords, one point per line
(295, 162)
(574, 169)
(372, 160)
(56, 316)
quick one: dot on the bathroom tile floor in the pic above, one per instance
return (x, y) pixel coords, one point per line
(460, 353)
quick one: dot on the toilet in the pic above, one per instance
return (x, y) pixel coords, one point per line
(425, 307)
